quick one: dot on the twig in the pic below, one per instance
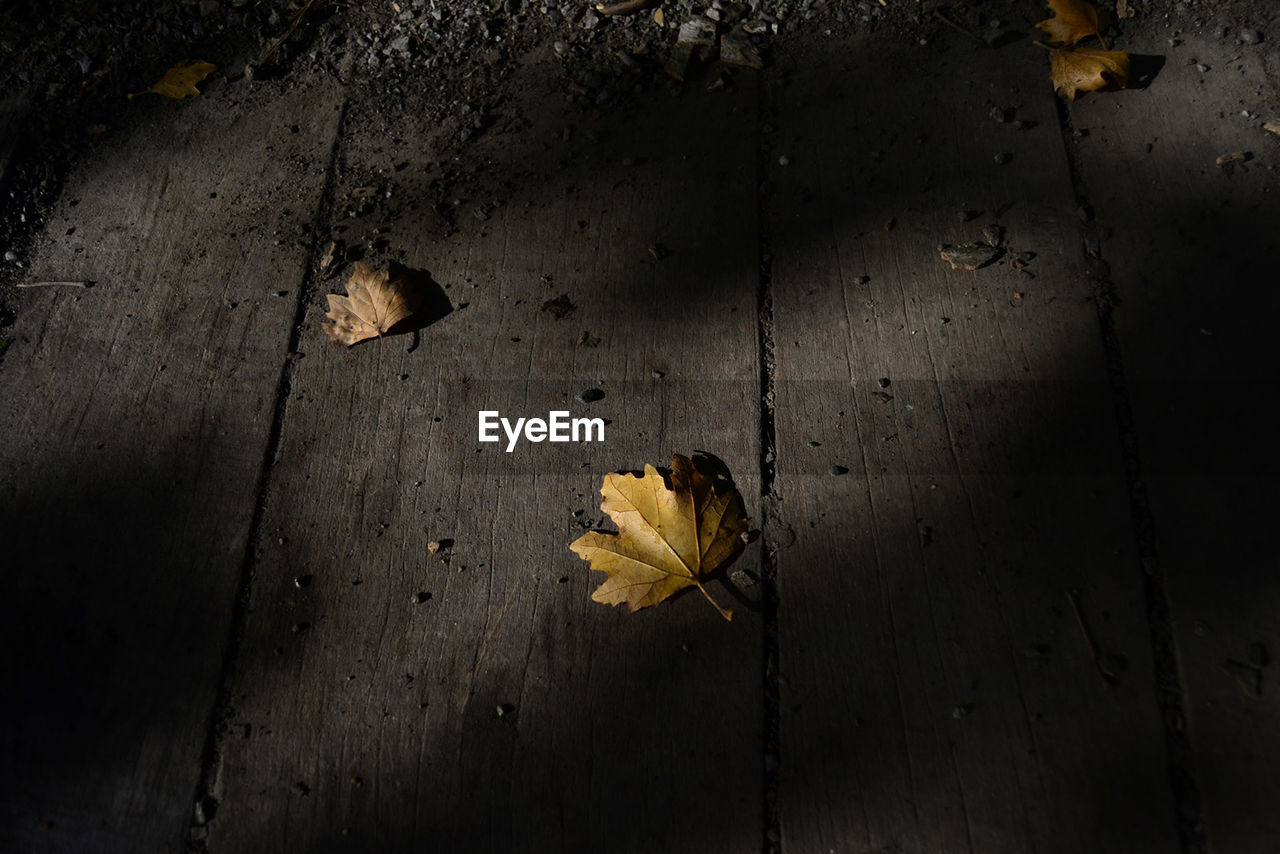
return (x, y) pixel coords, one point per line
(87, 284)
(937, 13)
(621, 8)
(298, 18)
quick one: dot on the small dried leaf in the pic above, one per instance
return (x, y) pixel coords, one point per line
(180, 81)
(1073, 21)
(1272, 126)
(970, 256)
(1123, 10)
(1085, 69)
(374, 304)
(668, 538)
(1228, 162)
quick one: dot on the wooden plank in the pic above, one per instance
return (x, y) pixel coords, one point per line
(377, 727)
(1192, 251)
(937, 690)
(135, 420)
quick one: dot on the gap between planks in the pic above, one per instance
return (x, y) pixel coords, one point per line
(204, 799)
(1171, 696)
(766, 114)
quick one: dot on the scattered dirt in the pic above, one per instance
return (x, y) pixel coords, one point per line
(446, 65)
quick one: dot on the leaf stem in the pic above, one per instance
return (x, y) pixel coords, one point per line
(727, 614)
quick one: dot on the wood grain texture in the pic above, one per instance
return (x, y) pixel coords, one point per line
(937, 690)
(508, 711)
(135, 422)
(1192, 250)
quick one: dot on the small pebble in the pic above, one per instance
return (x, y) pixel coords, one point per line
(421, 597)
(505, 709)
(302, 581)
(1248, 36)
(883, 382)
(837, 470)
(1201, 67)
(784, 160)
(1036, 651)
(862, 280)
(590, 395)
(205, 810)
(1003, 158)
(11, 256)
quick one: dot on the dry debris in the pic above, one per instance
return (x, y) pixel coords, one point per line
(622, 8)
(1228, 162)
(970, 256)
(180, 81)
(1082, 69)
(1073, 21)
(1087, 69)
(374, 305)
(669, 538)
(736, 49)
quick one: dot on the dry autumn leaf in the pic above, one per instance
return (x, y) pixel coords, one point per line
(1073, 21)
(374, 304)
(180, 81)
(668, 538)
(1088, 70)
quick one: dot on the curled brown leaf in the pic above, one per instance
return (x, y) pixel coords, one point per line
(1088, 70)
(374, 304)
(1073, 21)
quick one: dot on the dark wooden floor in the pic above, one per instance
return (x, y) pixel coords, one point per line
(1013, 589)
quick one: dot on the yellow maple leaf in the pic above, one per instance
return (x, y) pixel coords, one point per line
(1073, 21)
(180, 81)
(669, 538)
(1088, 70)
(374, 304)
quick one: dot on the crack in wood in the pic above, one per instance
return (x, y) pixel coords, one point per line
(205, 798)
(769, 515)
(1170, 696)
